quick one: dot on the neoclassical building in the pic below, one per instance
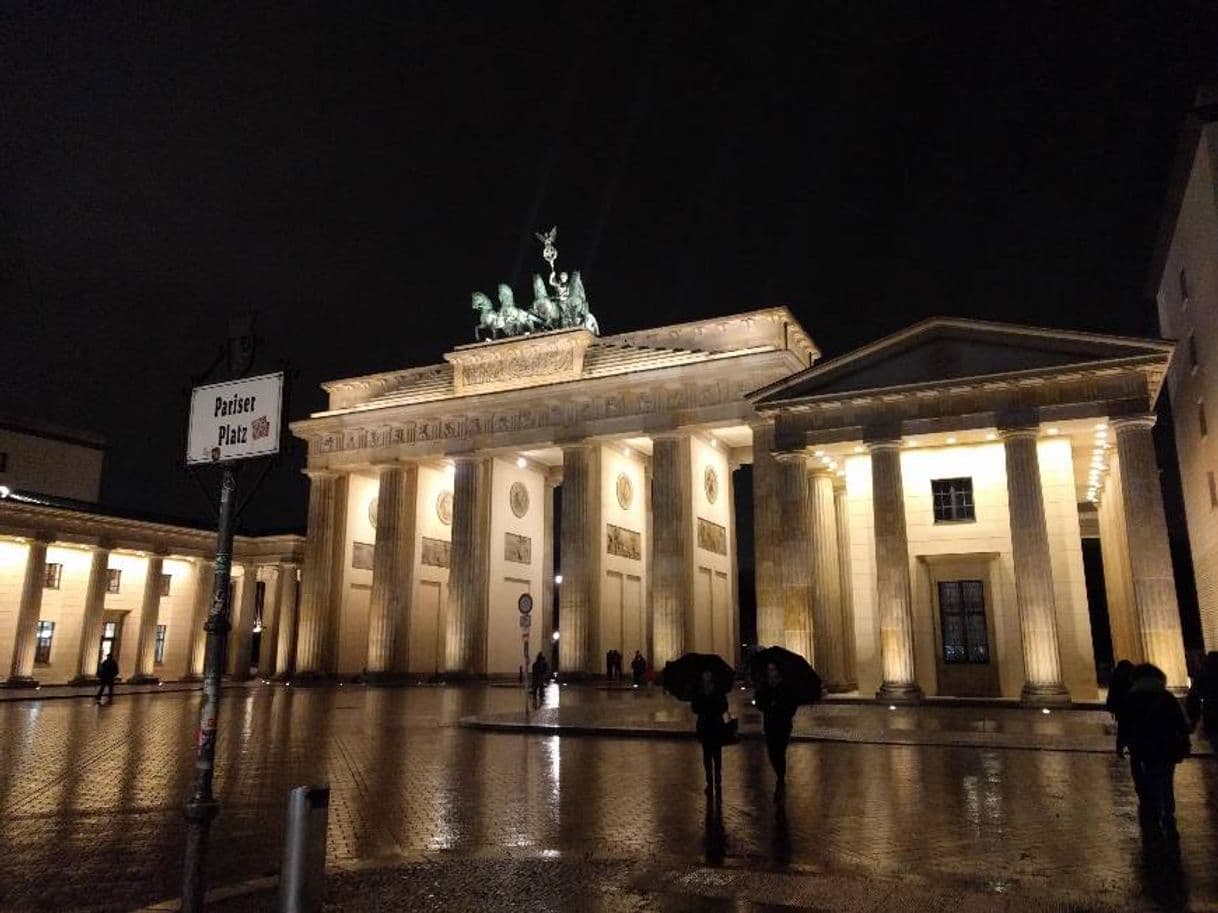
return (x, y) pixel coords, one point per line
(918, 505)
(78, 584)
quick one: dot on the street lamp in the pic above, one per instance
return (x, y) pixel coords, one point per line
(554, 637)
(558, 579)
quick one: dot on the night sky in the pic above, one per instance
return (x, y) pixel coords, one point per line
(351, 175)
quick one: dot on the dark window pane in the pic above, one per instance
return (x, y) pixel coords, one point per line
(952, 499)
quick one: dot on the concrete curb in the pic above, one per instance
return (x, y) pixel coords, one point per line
(47, 692)
(1012, 742)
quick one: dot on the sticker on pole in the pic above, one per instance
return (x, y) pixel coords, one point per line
(235, 420)
(526, 622)
(524, 604)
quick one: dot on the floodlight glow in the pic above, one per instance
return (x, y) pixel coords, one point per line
(521, 462)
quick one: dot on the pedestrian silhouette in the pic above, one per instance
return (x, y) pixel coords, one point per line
(541, 673)
(1203, 699)
(107, 672)
(1157, 734)
(638, 666)
(710, 704)
(1118, 690)
(777, 708)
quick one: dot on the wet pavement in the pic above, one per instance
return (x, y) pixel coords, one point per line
(91, 801)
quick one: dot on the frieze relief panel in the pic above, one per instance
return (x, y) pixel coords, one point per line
(517, 549)
(712, 537)
(436, 552)
(624, 543)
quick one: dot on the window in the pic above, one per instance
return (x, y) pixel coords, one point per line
(1193, 361)
(42, 646)
(1201, 418)
(1184, 296)
(109, 641)
(165, 582)
(1213, 490)
(114, 578)
(51, 576)
(962, 620)
(953, 500)
(158, 652)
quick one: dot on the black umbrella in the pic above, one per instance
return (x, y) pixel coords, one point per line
(799, 679)
(682, 677)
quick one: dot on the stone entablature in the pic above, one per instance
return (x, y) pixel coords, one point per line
(24, 518)
(524, 361)
(769, 330)
(659, 399)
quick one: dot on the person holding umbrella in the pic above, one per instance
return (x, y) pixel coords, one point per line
(709, 705)
(703, 680)
(784, 681)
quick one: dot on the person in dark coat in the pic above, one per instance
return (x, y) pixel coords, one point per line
(107, 672)
(541, 675)
(1156, 732)
(638, 666)
(1118, 689)
(709, 704)
(777, 708)
(1202, 699)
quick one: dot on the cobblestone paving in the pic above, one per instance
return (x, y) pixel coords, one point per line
(90, 802)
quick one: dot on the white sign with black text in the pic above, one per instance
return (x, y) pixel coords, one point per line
(235, 420)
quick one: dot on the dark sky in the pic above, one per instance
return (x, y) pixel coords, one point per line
(352, 173)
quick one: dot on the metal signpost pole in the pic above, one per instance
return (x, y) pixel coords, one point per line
(202, 807)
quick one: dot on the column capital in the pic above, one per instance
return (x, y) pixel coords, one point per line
(316, 474)
(1016, 432)
(1125, 422)
(102, 545)
(790, 456)
(674, 435)
(884, 443)
(41, 537)
(761, 424)
(820, 470)
(839, 484)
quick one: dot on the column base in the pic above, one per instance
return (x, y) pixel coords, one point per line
(1044, 695)
(84, 680)
(20, 681)
(191, 677)
(900, 693)
(840, 687)
(311, 679)
(143, 680)
(457, 677)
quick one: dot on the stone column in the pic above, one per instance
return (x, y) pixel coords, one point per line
(649, 554)
(1154, 585)
(671, 524)
(544, 633)
(578, 614)
(767, 539)
(733, 580)
(272, 612)
(796, 568)
(150, 609)
(841, 511)
(91, 622)
(826, 581)
(465, 640)
(392, 561)
(317, 586)
(288, 596)
(21, 673)
(205, 583)
(241, 640)
(892, 592)
(1033, 570)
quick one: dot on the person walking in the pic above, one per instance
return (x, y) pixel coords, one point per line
(541, 674)
(1157, 734)
(107, 672)
(1202, 702)
(1118, 690)
(638, 666)
(777, 708)
(709, 705)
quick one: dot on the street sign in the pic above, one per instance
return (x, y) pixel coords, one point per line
(524, 604)
(235, 420)
(526, 622)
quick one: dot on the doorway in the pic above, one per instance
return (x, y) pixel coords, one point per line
(112, 636)
(961, 603)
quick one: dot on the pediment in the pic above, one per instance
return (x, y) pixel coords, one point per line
(946, 350)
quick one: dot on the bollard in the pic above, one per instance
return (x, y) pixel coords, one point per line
(302, 878)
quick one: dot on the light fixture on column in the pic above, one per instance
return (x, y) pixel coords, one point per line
(557, 579)
(521, 462)
(1053, 431)
(951, 440)
(554, 636)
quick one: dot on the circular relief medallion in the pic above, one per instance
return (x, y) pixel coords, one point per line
(518, 497)
(444, 507)
(372, 506)
(625, 491)
(710, 482)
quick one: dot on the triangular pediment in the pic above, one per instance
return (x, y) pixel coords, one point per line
(947, 350)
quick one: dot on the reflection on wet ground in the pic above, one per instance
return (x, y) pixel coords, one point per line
(91, 799)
